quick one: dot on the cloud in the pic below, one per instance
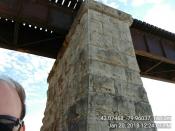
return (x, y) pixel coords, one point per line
(111, 3)
(4, 59)
(143, 2)
(136, 3)
(125, 2)
(28, 66)
(162, 15)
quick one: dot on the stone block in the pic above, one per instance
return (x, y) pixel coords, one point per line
(132, 63)
(97, 125)
(125, 106)
(143, 109)
(103, 69)
(100, 100)
(109, 56)
(95, 26)
(142, 94)
(100, 40)
(95, 15)
(109, 11)
(124, 47)
(84, 19)
(125, 36)
(116, 42)
(111, 29)
(102, 84)
(73, 36)
(127, 89)
(123, 26)
(77, 115)
(133, 77)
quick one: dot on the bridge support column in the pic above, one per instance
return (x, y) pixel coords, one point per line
(96, 76)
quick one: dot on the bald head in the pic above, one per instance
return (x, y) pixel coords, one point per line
(10, 103)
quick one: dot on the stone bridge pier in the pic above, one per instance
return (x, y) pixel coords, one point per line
(95, 83)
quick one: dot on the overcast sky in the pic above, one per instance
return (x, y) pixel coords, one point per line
(32, 71)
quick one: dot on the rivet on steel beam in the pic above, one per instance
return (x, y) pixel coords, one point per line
(24, 24)
(69, 3)
(63, 2)
(75, 6)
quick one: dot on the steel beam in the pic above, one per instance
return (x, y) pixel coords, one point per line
(155, 51)
(41, 13)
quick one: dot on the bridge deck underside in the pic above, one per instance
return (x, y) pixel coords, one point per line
(155, 51)
(43, 34)
(16, 36)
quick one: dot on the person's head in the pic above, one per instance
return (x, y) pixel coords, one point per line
(12, 105)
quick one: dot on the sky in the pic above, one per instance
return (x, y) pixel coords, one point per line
(32, 71)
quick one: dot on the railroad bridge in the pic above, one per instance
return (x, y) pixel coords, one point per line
(100, 54)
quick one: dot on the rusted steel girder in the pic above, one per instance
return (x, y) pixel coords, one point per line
(36, 26)
(155, 51)
(54, 15)
(29, 39)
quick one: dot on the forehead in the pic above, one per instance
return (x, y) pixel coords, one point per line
(9, 100)
(6, 81)
(5, 88)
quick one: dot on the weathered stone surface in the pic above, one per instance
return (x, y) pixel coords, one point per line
(100, 99)
(95, 74)
(108, 70)
(108, 56)
(132, 63)
(134, 92)
(110, 12)
(133, 76)
(125, 106)
(95, 26)
(102, 84)
(143, 109)
(125, 47)
(97, 125)
(102, 41)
